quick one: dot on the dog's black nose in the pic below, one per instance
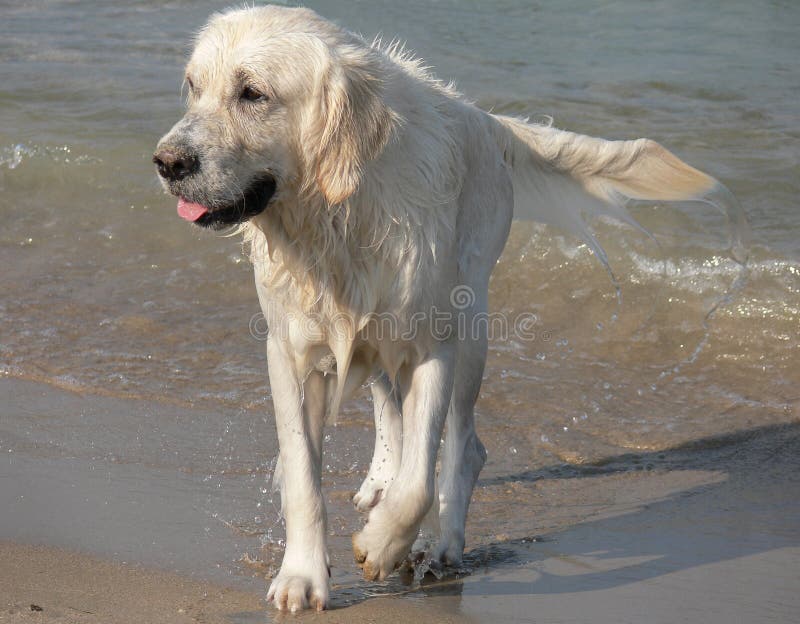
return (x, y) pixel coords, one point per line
(174, 165)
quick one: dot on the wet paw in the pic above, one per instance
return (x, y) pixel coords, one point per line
(447, 555)
(294, 593)
(369, 494)
(450, 550)
(378, 551)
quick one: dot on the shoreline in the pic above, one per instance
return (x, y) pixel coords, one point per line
(707, 531)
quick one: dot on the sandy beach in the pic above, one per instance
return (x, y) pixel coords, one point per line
(709, 531)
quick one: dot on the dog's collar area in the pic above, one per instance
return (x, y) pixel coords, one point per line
(252, 202)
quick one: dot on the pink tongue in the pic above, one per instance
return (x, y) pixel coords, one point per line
(190, 211)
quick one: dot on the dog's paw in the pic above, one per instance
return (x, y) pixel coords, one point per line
(449, 551)
(296, 592)
(380, 547)
(370, 493)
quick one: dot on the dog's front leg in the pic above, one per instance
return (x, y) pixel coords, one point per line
(303, 580)
(394, 522)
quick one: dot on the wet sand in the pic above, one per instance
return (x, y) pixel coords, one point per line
(709, 531)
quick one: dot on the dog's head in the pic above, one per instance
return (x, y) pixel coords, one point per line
(281, 104)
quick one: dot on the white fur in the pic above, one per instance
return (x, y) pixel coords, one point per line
(392, 191)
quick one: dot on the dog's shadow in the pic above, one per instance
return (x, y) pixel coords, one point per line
(754, 508)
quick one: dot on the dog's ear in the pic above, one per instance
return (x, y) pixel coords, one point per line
(356, 123)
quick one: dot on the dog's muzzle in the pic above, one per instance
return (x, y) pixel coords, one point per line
(176, 165)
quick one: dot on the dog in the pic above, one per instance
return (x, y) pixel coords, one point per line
(368, 189)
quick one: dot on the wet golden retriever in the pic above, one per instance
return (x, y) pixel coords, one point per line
(370, 191)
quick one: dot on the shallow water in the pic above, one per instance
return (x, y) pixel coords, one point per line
(106, 291)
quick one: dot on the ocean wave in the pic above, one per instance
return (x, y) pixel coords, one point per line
(13, 156)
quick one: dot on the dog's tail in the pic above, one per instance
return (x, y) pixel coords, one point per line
(561, 178)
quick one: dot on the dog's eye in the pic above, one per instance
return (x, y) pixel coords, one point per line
(249, 94)
(190, 83)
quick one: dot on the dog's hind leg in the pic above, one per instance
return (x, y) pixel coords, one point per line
(303, 580)
(463, 454)
(388, 444)
(394, 522)
(485, 221)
